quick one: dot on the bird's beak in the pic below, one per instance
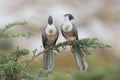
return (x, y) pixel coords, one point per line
(50, 20)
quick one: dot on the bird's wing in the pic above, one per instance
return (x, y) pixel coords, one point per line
(44, 38)
(62, 31)
(57, 35)
(75, 32)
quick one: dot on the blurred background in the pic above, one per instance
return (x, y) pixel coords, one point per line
(93, 18)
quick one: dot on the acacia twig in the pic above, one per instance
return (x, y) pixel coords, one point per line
(27, 63)
(84, 45)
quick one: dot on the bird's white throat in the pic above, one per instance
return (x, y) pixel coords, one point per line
(67, 25)
(50, 29)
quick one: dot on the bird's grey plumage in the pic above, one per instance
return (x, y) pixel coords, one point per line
(48, 57)
(79, 57)
(48, 62)
(74, 31)
(44, 38)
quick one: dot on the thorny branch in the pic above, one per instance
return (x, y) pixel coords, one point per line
(27, 63)
(84, 45)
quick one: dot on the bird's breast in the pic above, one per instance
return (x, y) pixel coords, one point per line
(51, 38)
(69, 35)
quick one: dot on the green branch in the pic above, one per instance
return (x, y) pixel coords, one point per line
(3, 34)
(12, 25)
(84, 45)
(23, 34)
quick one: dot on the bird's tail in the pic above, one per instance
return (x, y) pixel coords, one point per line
(48, 62)
(79, 58)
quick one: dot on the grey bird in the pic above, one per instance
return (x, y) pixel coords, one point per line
(49, 37)
(69, 31)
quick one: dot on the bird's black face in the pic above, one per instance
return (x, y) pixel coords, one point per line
(70, 16)
(50, 20)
